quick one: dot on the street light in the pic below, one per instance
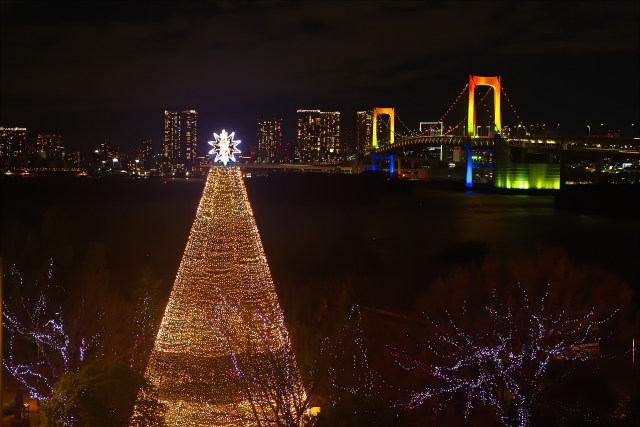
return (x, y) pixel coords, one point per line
(589, 128)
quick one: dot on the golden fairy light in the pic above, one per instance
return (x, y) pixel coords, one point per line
(222, 298)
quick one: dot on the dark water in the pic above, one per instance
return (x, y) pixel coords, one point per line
(320, 232)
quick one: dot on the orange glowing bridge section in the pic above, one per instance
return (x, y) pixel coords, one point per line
(494, 82)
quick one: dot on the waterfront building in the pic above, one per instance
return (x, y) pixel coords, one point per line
(364, 126)
(13, 141)
(270, 141)
(331, 147)
(146, 150)
(309, 135)
(106, 156)
(49, 146)
(319, 135)
(171, 133)
(347, 142)
(180, 138)
(288, 152)
(144, 154)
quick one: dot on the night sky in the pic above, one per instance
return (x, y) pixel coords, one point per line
(105, 71)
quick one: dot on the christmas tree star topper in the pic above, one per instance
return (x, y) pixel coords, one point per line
(224, 147)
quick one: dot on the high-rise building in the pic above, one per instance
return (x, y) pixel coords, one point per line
(110, 151)
(309, 135)
(364, 126)
(171, 133)
(106, 156)
(319, 135)
(330, 144)
(180, 138)
(49, 146)
(13, 141)
(189, 134)
(347, 141)
(146, 150)
(144, 154)
(270, 140)
(288, 152)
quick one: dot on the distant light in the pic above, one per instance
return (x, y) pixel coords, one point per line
(115, 160)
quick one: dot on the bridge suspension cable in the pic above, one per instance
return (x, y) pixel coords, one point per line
(486, 107)
(383, 124)
(511, 105)
(464, 89)
(448, 132)
(451, 129)
(411, 132)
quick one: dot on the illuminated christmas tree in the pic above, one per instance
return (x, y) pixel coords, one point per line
(223, 327)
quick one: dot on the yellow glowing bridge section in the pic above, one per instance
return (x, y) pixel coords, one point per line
(494, 82)
(374, 131)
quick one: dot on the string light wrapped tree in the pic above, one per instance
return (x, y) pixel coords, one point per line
(222, 294)
(500, 358)
(52, 330)
(43, 343)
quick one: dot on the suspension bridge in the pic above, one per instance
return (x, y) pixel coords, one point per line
(518, 157)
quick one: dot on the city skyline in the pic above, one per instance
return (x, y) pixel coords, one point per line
(344, 141)
(113, 73)
(319, 213)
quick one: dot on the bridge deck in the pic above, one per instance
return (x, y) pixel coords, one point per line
(611, 145)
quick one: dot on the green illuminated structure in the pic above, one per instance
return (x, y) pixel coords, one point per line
(524, 168)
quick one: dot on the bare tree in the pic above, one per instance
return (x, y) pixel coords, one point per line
(347, 361)
(262, 364)
(499, 357)
(52, 331)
